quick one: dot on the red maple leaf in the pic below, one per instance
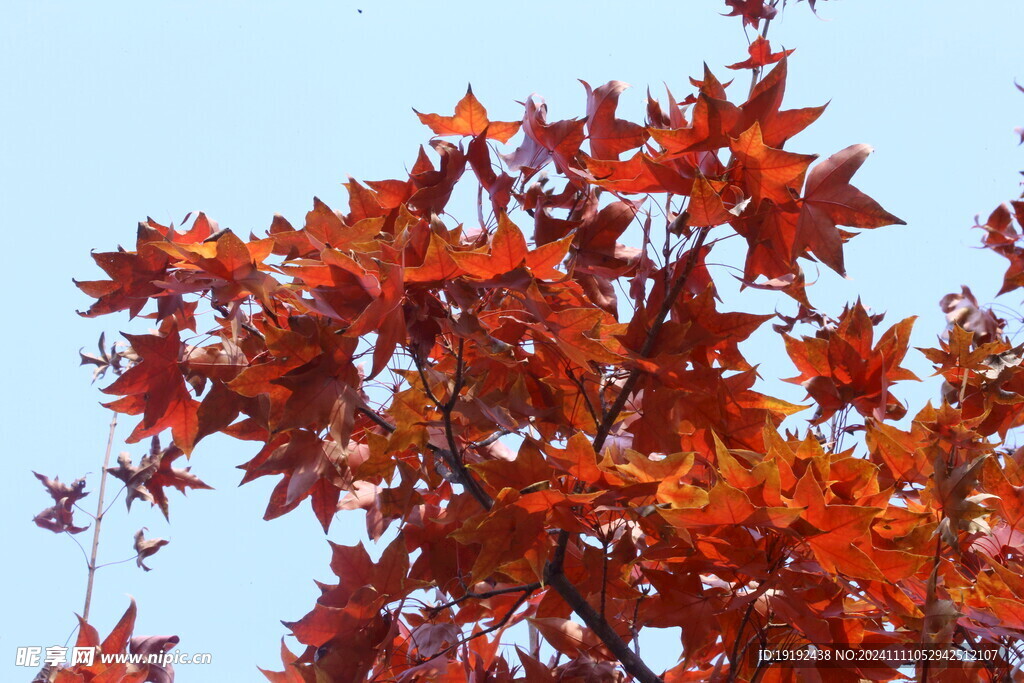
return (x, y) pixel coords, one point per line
(610, 136)
(155, 388)
(752, 11)
(840, 368)
(470, 118)
(760, 55)
(829, 200)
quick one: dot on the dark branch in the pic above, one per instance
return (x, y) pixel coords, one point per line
(652, 335)
(601, 628)
(501, 624)
(451, 455)
(470, 595)
(377, 419)
(484, 443)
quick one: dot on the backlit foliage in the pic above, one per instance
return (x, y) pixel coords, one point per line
(544, 423)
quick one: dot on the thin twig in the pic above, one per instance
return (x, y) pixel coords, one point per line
(377, 419)
(470, 595)
(484, 443)
(124, 487)
(501, 624)
(652, 335)
(99, 521)
(450, 455)
(85, 555)
(127, 559)
(604, 574)
(578, 382)
(752, 598)
(423, 378)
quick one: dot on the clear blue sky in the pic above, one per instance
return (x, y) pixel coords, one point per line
(114, 111)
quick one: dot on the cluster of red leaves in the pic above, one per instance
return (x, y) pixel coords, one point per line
(753, 11)
(839, 367)
(120, 641)
(389, 359)
(1003, 236)
(59, 517)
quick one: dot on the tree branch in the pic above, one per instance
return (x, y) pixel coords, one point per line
(451, 455)
(484, 443)
(601, 628)
(604, 429)
(462, 475)
(501, 624)
(377, 419)
(470, 595)
(99, 521)
(652, 334)
(553, 570)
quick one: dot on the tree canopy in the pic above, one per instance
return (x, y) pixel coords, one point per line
(547, 423)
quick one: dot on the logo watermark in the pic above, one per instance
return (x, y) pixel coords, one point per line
(57, 655)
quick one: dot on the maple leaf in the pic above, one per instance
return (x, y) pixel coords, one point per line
(499, 187)
(365, 203)
(133, 278)
(705, 206)
(752, 11)
(770, 231)
(712, 121)
(155, 388)
(760, 55)
(146, 547)
(1009, 497)
(598, 252)
(120, 641)
(964, 311)
(545, 141)
(507, 533)
(841, 367)
(153, 647)
(313, 467)
(769, 173)
(58, 518)
(506, 252)
(119, 637)
(290, 673)
(167, 475)
(568, 637)
(764, 107)
(610, 136)
(830, 200)
(134, 476)
(59, 491)
(640, 173)
(154, 472)
(434, 187)
(841, 526)
(107, 359)
(898, 450)
(323, 392)
(725, 504)
(470, 118)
